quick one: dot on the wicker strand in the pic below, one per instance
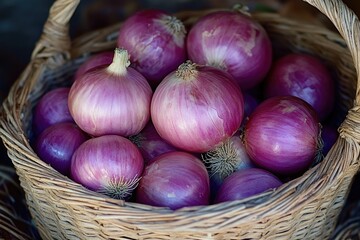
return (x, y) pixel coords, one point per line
(55, 38)
(347, 23)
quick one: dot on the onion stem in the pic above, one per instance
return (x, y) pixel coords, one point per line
(173, 25)
(120, 62)
(186, 71)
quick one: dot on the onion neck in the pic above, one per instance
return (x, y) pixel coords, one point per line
(187, 71)
(120, 62)
(173, 25)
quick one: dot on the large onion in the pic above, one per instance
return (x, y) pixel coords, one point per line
(109, 164)
(282, 135)
(233, 42)
(155, 41)
(174, 180)
(111, 100)
(303, 76)
(197, 107)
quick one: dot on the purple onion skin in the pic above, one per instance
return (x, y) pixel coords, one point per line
(104, 160)
(303, 76)
(56, 145)
(282, 135)
(233, 42)
(52, 108)
(154, 49)
(151, 144)
(198, 113)
(329, 135)
(246, 183)
(97, 60)
(105, 103)
(174, 180)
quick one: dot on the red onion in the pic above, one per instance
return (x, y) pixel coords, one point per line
(233, 42)
(109, 164)
(57, 143)
(303, 76)
(155, 41)
(174, 180)
(246, 183)
(52, 108)
(111, 100)
(97, 60)
(329, 135)
(150, 143)
(282, 135)
(197, 107)
(227, 158)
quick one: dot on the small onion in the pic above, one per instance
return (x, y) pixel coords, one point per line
(97, 60)
(150, 143)
(155, 41)
(227, 158)
(303, 76)
(114, 99)
(233, 42)
(197, 107)
(52, 108)
(174, 180)
(282, 135)
(246, 183)
(57, 143)
(109, 164)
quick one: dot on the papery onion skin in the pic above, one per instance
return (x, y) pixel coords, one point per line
(303, 76)
(282, 135)
(246, 183)
(150, 143)
(114, 99)
(174, 180)
(57, 143)
(155, 41)
(52, 108)
(233, 42)
(197, 107)
(97, 60)
(108, 164)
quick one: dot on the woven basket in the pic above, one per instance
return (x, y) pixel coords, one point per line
(304, 208)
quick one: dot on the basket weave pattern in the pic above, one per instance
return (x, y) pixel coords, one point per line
(304, 208)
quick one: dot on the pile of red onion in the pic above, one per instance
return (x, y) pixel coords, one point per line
(179, 116)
